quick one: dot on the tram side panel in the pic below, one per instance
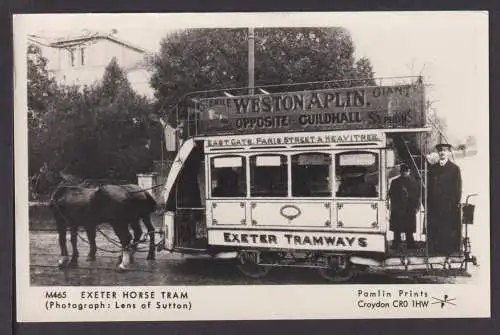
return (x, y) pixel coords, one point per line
(347, 224)
(296, 222)
(251, 224)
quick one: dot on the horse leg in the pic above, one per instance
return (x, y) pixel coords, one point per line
(74, 256)
(151, 231)
(61, 229)
(136, 228)
(91, 234)
(137, 232)
(124, 236)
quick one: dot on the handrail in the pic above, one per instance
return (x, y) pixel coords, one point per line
(413, 161)
(294, 84)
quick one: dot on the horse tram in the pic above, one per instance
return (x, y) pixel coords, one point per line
(298, 175)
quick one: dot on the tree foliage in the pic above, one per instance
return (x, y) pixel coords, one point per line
(110, 129)
(42, 90)
(364, 69)
(97, 132)
(205, 59)
(43, 96)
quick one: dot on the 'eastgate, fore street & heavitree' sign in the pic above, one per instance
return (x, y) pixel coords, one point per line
(400, 106)
(342, 137)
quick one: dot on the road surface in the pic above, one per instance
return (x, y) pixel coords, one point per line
(171, 269)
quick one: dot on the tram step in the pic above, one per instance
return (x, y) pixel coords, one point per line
(365, 261)
(405, 261)
(416, 260)
(392, 262)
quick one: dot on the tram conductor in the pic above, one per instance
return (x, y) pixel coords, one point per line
(404, 196)
(444, 196)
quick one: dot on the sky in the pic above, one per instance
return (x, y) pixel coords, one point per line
(450, 49)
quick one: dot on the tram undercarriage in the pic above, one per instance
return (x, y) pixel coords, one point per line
(338, 267)
(256, 264)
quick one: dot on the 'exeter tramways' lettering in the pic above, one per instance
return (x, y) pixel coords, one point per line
(292, 239)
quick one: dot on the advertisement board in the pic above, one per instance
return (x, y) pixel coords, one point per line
(400, 106)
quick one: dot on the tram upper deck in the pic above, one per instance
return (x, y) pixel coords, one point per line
(384, 103)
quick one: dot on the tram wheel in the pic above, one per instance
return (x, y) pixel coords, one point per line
(246, 264)
(339, 271)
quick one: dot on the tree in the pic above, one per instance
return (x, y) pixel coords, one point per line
(364, 70)
(114, 82)
(42, 90)
(108, 137)
(42, 95)
(207, 59)
(97, 132)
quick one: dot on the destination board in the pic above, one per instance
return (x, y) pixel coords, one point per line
(400, 106)
(358, 137)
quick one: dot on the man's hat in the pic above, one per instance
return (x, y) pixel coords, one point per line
(404, 168)
(443, 145)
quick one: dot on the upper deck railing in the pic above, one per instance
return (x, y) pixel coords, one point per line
(379, 103)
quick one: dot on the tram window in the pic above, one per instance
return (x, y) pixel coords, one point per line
(311, 175)
(268, 176)
(357, 174)
(228, 175)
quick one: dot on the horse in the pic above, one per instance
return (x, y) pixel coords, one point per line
(70, 206)
(124, 205)
(121, 206)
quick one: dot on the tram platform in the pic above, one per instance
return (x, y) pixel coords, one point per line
(418, 251)
(403, 250)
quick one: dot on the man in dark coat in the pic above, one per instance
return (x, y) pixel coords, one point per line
(404, 196)
(444, 196)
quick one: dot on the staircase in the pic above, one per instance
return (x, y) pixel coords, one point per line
(411, 153)
(410, 148)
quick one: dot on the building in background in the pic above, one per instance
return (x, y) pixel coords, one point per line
(81, 58)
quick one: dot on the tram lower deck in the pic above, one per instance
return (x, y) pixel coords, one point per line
(320, 196)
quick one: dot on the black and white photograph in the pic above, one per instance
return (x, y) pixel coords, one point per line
(278, 165)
